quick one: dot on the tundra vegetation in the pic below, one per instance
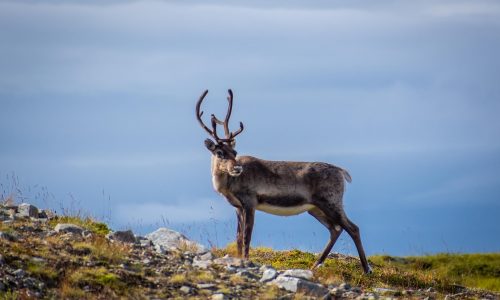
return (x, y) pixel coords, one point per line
(38, 262)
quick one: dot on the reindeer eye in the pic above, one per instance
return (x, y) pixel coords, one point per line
(219, 153)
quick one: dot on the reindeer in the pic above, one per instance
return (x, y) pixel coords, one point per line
(281, 188)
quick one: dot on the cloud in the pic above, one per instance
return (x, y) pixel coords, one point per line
(466, 188)
(184, 211)
(134, 161)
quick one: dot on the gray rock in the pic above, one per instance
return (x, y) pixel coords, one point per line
(384, 291)
(68, 228)
(294, 284)
(229, 261)
(205, 256)
(247, 274)
(345, 286)
(185, 289)
(201, 264)
(47, 213)
(206, 286)
(160, 249)
(172, 240)
(42, 215)
(126, 236)
(3, 216)
(337, 292)
(268, 274)
(7, 236)
(264, 267)
(19, 273)
(3, 288)
(31, 283)
(299, 273)
(27, 210)
(144, 242)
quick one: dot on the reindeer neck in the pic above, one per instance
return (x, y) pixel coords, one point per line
(220, 179)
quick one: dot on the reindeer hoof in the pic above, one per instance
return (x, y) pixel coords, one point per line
(369, 271)
(316, 265)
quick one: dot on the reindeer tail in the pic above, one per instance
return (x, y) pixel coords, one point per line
(346, 175)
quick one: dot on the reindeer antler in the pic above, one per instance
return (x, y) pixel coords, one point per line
(229, 135)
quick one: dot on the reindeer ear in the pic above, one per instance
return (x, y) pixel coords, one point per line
(210, 145)
(233, 144)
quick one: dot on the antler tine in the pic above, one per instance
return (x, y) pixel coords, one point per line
(234, 134)
(225, 124)
(228, 114)
(214, 121)
(214, 128)
(199, 114)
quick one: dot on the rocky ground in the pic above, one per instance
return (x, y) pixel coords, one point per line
(47, 256)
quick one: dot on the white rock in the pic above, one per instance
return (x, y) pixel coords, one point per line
(165, 239)
(27, 210)
(201, 264)
(219, 296)
(185, 289)
(264, 267)
(229, 261)
(207, 286)
(205, 256)
(299, 273)
(294, 284)
(268, 274)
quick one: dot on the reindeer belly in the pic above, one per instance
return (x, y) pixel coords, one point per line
(283, 205)
(284, 210)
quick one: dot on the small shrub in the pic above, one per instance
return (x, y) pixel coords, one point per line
(202, 277)
(178, 279)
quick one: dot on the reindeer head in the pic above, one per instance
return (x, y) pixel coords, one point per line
(223, 153)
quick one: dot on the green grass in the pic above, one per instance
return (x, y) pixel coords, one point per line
(97, 278)
(471, 270)
(441, 271)
(43, 272)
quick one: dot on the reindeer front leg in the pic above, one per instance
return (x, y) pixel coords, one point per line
(239, 232)
(248, 217)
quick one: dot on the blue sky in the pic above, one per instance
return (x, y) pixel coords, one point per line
(97, 112)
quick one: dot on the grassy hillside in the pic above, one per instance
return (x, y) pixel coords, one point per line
(92, 267)
(447, 273)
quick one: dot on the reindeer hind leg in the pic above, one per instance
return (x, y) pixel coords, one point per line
(335, 231)
(353, 230)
